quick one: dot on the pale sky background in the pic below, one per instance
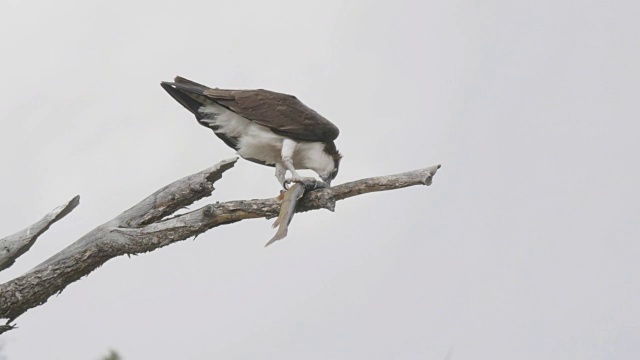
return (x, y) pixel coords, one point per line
(525, 247)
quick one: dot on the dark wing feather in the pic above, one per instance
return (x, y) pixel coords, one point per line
(190, 96)
(283, 114)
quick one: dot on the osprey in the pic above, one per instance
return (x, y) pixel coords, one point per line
(264, 127)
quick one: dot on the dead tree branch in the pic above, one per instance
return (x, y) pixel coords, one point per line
(145, 227)
(13, 246)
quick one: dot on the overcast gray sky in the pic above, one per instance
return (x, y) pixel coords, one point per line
(525, 247)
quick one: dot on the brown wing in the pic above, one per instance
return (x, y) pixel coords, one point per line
(283, 114)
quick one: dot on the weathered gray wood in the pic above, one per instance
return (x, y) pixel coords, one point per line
(155, 207)
(13, 246)
(143, 228)
(175, 196)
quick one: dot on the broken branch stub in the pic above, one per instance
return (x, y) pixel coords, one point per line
(14, 246)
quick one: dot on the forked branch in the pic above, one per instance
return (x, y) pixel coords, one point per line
(146, 227)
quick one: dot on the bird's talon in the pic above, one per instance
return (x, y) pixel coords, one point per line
(295, 179)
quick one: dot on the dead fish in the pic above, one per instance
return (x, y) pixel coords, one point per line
(287, 209)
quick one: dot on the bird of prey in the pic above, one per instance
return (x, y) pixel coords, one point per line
(264, 127)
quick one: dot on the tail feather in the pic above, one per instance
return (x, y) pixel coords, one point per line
(181, 80)
(188, 93)
(191, 95)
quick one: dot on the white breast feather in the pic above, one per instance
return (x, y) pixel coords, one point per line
(227, 121)
(260, 143)
(254, 141)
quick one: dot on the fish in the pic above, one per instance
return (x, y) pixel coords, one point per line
(287, 209)
(289, 200)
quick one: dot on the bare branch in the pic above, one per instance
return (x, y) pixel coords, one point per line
(142, 229)
(175, 196)
(13, 246)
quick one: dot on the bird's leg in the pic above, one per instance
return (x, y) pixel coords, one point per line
(281, 171)
(288, 147)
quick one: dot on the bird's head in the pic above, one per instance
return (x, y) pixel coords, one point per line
(332, 171)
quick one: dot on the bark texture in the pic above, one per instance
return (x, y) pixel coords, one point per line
(147, 226)
(13, 246)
